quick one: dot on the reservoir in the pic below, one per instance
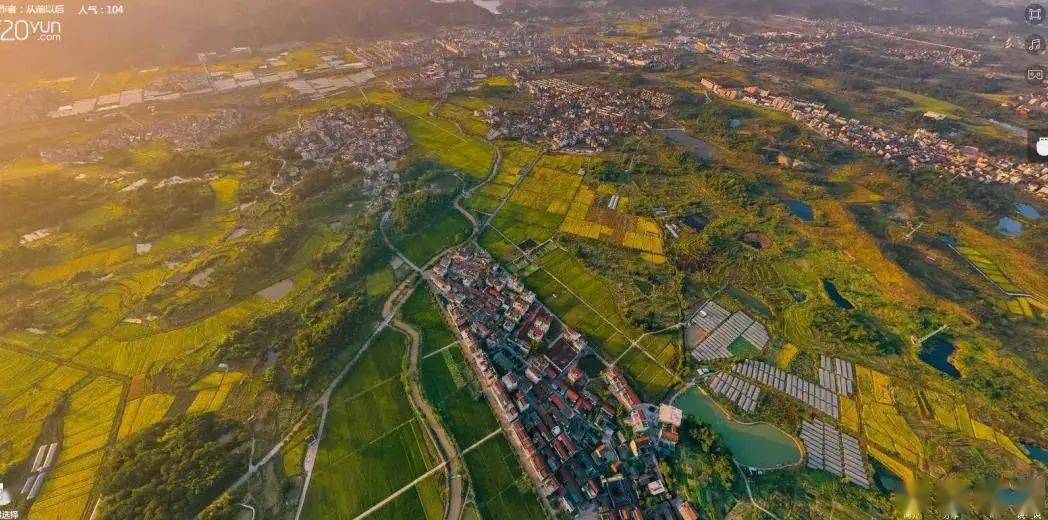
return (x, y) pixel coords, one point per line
(886, 481)
(800, 209)
(936, 352)
(1037, 453)
(835, 295)
(1028, 211)
(756, 445)
(693, 145)
(1009, 227)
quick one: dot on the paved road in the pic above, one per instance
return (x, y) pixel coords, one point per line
(449, 450)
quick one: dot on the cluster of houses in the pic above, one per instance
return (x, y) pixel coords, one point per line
(185, 132)
(572, 116)
(369, 140)
(589, 445)
(956, 58)
(808, 47)
(1026, 104)
(921, 149)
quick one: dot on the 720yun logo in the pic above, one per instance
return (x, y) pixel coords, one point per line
(25, 30)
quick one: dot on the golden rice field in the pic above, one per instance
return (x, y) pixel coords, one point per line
(849, 414)
(26, 401)
(213, 389)
(144, 412)
(883, 426)
(955, 416)
(67, 489)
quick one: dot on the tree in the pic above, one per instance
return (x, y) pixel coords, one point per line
(174, 468)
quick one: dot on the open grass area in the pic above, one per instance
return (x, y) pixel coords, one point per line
(150, 353)
(589, 217)
(989, 269)
(86, 427)
(538, 207)
(381, 282)
(66, 491)
(89, 419)
(371, 421)
(955, 416)
(883, 426)
(515, 158)
(423, 502)
(27, 168)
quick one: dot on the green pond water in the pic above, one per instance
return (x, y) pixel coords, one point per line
(759, 445)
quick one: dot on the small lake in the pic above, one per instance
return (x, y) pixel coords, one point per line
(757, 445)
(692, 144)
(697, 221)
(835, 295)
(1028, 211)
(936, 352)
(887, 481)
(950, 240)
(1037, 453)
(1009, 227)
(800, 209)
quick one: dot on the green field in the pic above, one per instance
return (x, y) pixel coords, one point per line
(446, 380)
(441, 231)
(502, 489)
(583, 300)
(439, 138)
(423, 311)
(371, 420)
(381, 282)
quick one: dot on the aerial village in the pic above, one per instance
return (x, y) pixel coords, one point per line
(922, 149)
(574, 116)
(370, 141)
(587, 445)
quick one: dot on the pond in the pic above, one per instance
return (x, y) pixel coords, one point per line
(800, 209)
(887, 481)
(1028, 211)
(835, 295)
(756, 445)
(1037, 453)
(936, 352)
(697, 221)
(691, 144)
(1009, 227)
